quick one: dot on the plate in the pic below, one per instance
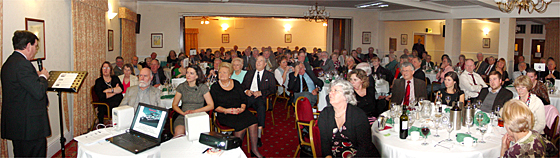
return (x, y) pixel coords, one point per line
(463, 144)
(410, 139)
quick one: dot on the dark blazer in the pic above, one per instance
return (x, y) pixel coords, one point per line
(419, 74)
(385, 74)
(24, 101)
(357, 128)
(161, 76)
(503, 96)
(328, 66)
(424, 63)
(293, 82)
(555, 73)
(267, 85)
(482, 67)
(399, 90)
(491, 69)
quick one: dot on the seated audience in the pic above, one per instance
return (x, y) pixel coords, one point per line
(427, 63)
(118, 68)
(523, 85)
(192, 93)
(522, 70)
(108, 89)
(418, 72)
(551, 74)
(501, 67)
(325, 63)
(470, 82)
(136, 66)
(520, 59)
(343, 127)
(520, 140)
(270, 60)
(128, 79)
(334, 59)
(407, 88)
(172, 59)
(365, 95)
(159, 77)
(342, 57)
(212, 72)
(303, 82)
(538, 88)
(355, 56)
(281, 74)
(461, 63)
(494, 96)
(179, 72)
(440, 76)
(380, 71)
(491, 67)
(451, 89)
(480, 65)
(230, 104)
(402, 59)
(143, 92)
(147, 62)
(238, 72)
(350, 65)
(227, 57)
(392, 65)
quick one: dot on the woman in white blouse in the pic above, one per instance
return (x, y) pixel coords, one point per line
(523, 85)
(128, 79)
(281, 74)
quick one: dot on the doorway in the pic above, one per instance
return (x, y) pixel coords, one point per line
(518, 49)
(537, 50)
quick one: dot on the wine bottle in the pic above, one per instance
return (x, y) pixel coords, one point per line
(438, 104)
(403, 132)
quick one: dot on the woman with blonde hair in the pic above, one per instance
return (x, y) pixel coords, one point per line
(523, 85)
(501, 67)
(518, 121)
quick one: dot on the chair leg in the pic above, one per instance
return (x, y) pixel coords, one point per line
(272, 115)
(297, 150)
(248, 142)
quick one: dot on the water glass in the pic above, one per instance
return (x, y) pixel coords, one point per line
(482, 130)
(437, 123)
(449, 127)
(469, 124)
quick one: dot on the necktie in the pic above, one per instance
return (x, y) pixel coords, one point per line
(488, 70)
(473, 80)
(268, 64)
(477, 66)
(407, 95)
(258, 79)
(305, 88)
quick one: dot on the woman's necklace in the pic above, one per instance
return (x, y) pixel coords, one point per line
(224, 84)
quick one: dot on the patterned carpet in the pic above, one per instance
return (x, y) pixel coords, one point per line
(279, 140)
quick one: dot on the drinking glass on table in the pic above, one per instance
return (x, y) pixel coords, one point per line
(478, 104)
(449, 127)
(479, 118)
(447, 100)
(483, 128)
(437, 123)
(469, 124)
(425, 131)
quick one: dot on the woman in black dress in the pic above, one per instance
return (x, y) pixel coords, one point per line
(365, 94)
(108, 89)
(451, 89)
(230, 103)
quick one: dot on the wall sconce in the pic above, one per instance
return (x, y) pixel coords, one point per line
(112, 15)
(287, 27)
(325, 24)
(485, 31)
(225, 26)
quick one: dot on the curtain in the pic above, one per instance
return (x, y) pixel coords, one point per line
(552, 42)
(191, 39)
(128, 33)
(89, 33)
(4, 142)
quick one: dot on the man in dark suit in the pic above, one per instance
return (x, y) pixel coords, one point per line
(258, 84)
(270, 62)
(419, 47)
(480, 65)
(494, 96)
(303, 82)
(418, 73)
(325, 63)
(551, 74)
(157, 72)
(427, 62)
(407, 87)
(491, 67)
(25, 119)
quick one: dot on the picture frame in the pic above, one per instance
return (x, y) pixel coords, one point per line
(110, 40)
(404, 39)
(485, 42)
(393, 43)
(225, 38)
(288, 38)
(157, 40)
(366, 37)
(37, 26)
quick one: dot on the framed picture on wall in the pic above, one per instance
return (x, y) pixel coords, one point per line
(225, 38)
(37, 26)
(393, 43)
(404, 39)
(111, 40)
(288, 38)
(486, 43)
(157, 40)
(366, 37)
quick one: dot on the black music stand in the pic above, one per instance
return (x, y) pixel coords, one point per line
(64, 81)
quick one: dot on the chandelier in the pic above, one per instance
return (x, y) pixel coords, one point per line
(317, 14)
(526, 5)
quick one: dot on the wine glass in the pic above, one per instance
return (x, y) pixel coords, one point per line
(479, 119)
(447, 100)
(469, 124)
(478, 104)
(425, 132)
(411, 118)
(437, 123)
(492, 119)
(482, 130)
(449, 127)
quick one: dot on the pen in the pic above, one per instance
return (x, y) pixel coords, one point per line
(206, 150)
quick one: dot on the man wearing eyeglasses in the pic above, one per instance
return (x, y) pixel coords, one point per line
(118, 68)
(25, 119)
(407, 88)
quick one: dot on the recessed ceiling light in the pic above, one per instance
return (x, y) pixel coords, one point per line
(383, 6)
(369, 4)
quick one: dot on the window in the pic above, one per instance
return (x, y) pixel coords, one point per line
(536, 29)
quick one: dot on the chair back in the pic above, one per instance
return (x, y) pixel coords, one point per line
(315, 138)
(94, 97)
(303, 110)
(551, 113)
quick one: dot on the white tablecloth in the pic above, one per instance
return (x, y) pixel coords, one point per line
(393, 146)
(554, 98)
(431, 76)
(178, 147)
(323, 97)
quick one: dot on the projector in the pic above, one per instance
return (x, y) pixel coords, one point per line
(220, 141)
(122, 117)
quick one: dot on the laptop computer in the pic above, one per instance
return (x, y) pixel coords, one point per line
(145, 131)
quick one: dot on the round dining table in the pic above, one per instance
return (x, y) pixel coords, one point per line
(390, 145)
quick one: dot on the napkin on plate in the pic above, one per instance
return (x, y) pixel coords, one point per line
(168, 96)
(414, 128)
(486, 119)
(461, 136)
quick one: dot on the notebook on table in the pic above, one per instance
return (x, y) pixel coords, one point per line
(145, 131)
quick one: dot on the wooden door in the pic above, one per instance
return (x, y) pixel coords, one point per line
(519, 49)
(537, 50)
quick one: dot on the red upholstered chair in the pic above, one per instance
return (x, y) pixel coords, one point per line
(304, 115)
(95, 103)
(315, 138)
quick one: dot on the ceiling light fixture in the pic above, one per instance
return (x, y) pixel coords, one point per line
(378, 4)
(316, 13)
(527, 5)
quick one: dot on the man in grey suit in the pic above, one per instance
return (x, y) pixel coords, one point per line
(480, 65)
(407, 88)
(271, 63)
(143, 92)
(325, 63)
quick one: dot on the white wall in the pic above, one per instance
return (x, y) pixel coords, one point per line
(58, 41)
(163, 17)
(472, 35)
(115, 25)
(434, 42)
(258, 32)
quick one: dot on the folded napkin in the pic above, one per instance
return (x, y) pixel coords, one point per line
(171, 96)
(389, 121)
(414, 128)
(447, 110)
(486, 119)
(461, 136)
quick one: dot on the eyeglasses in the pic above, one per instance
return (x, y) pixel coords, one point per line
(106, 68)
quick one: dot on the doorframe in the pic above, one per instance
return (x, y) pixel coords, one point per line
(531, 48)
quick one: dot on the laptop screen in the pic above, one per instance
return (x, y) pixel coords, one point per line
(149, 121)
